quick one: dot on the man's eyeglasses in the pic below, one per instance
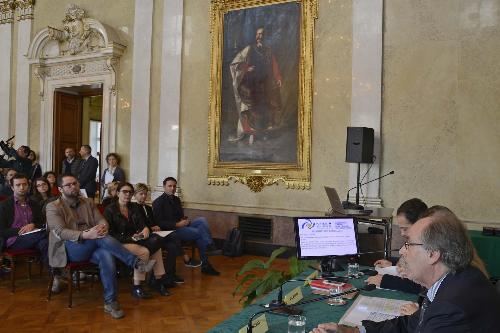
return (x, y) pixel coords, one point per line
(408, 244)
(70, 184)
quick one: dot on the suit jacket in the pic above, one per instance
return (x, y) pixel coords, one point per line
(63, 222)
(74, 167)
(86, 175)
(147, 213)
(7, 217)
(167, 211)
(466, 302)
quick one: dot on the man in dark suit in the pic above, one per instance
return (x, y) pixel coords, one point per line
(87, 171)
(438, 255)
(71, 164)
(19, 216)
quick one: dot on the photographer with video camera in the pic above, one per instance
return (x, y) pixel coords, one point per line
(16, 159)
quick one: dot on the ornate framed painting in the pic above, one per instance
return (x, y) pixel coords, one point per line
(261, 92)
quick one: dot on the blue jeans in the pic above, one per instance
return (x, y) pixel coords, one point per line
(101, 252)
(199, 232)
(36, 240)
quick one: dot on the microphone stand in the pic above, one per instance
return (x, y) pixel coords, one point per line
(347, 204)
(284, 307)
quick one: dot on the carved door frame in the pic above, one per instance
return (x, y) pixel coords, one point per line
(56, 69)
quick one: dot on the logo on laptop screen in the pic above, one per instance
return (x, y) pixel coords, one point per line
(308, 224)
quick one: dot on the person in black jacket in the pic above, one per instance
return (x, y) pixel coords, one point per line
(128, 226)
(438, 254)
(19, 159)
(71, 164)
(19, 216)
(168, 213)
(171, 243)
(87, 171)
(36, 169)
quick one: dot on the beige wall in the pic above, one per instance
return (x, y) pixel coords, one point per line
(441, 119)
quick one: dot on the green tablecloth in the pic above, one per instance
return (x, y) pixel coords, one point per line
(488, 249)
(316, 313)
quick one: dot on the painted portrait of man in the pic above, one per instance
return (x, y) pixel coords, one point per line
(260, 92)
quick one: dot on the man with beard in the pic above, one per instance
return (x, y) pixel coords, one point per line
(256, 86)
(438, 254)
(78, 232)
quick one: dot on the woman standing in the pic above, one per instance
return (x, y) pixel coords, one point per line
(113, 173)
(128, 226)
(36, 169)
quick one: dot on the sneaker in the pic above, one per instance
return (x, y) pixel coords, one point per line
(56, 285)
(192, 263)
(177, 279)
(209, 270)
(114, 310)
(144, 266)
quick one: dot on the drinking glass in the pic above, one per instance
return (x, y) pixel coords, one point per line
(336, 300)
(353, 270)
(296, 324)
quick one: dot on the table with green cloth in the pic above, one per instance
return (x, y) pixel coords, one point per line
(316, 313)
(488, 249)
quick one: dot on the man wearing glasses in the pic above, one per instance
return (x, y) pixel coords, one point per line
(438, 254)
(78, 232)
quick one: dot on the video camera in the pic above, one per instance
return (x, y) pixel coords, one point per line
(8, 150)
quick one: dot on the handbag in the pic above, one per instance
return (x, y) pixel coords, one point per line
(153, 243)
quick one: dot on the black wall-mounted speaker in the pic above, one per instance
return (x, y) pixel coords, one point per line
(359, 145)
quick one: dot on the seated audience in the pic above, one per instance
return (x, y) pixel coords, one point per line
(52, 179)
(78, 232)
(19, 215)
(128, 226)
(407, 214)
(43, 194)
(113, 173)
(112, 194)
(170, 243)
(71, 164)
(36, 169)
(438, 255)
(5, 187)
(168, 213)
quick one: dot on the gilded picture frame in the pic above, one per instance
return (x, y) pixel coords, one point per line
(261, 92)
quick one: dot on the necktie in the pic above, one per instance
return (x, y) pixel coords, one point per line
(425, 305)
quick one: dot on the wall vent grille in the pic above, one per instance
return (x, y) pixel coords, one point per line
(255, 227)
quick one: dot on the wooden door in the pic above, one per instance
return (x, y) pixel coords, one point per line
(67, 126)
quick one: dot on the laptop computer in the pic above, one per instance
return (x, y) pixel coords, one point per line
(334, 198)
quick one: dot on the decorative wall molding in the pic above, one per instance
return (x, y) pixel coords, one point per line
(7, 8)
(25, 9)
(366, 93)
(22, 83)
(64, 58)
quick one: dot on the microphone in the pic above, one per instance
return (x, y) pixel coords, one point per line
(285, 307)
(347, 205)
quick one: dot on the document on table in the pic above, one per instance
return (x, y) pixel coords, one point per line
(371, 308)
(163, 233)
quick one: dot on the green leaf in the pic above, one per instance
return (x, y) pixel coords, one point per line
(251, 288)
(242, 282)
(294, 266)
(252, 264)
(274, 255)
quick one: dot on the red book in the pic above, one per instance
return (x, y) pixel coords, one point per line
(322, 284)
